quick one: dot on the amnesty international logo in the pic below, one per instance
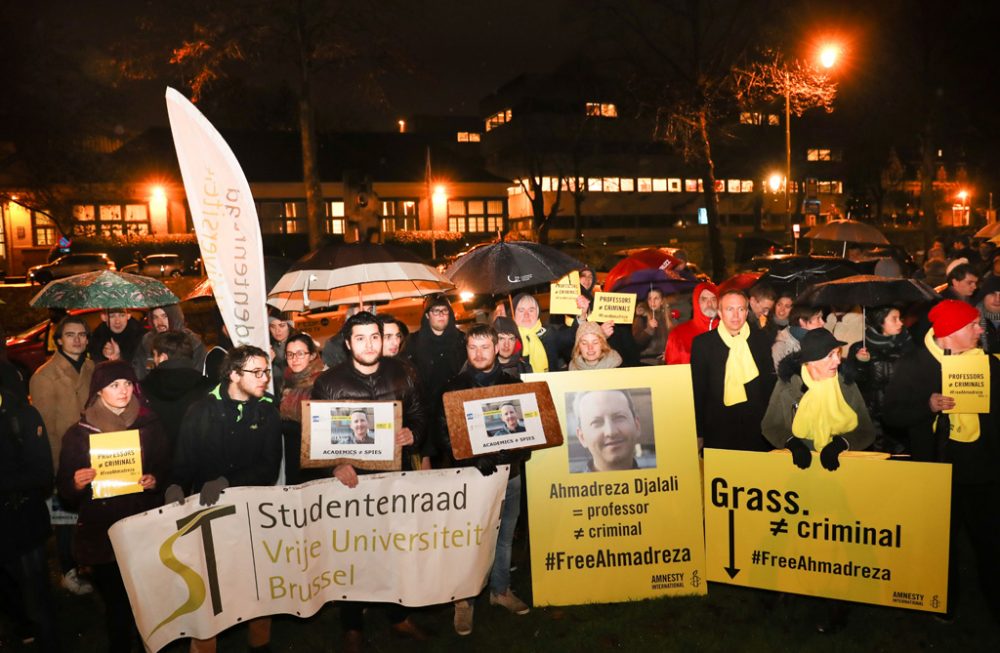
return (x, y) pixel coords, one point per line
(199, 521)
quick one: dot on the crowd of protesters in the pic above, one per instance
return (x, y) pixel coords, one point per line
(767, 373)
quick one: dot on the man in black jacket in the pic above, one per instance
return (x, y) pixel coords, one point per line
(733, 375)
(482, 370)
(117, 337)
(231, 438)
(437, 351)
(173, 385)
(367, 376)
(970, 442)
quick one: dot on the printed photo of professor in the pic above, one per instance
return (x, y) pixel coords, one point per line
(358, 428)
(610, 430)
(509, 414)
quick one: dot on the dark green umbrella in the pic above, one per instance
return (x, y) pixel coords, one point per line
(104, 289)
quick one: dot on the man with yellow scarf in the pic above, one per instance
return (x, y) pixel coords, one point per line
(732, 374)
(969, 441)
(815, 407)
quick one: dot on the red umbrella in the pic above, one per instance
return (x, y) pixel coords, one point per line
(740, 281)
(645, 259)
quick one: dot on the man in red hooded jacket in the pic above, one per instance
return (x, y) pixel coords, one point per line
(705, 317)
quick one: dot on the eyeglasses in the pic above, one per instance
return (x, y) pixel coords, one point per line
(260, 374)
(438, 311)
(293, 355)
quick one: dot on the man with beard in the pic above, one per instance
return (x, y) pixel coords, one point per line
(161, 320)
(368, 376)
(482, 370)
(705, 313)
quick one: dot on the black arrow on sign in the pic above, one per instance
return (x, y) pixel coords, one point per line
(731, 569)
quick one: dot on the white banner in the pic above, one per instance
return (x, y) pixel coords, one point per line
(415, 538)
(225, 220)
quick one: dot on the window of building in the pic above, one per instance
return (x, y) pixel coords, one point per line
(733, 185)
(758, 118)
(498, 118)
(468, 137)
(611, 185)
(822, 154)
(659, 185)
(673, 185)
(111, 219)
(476, 215)
(601, 109)
(720, 185)
(335, 221)
(773, 120)
(746, 186)
(627, 184)
(43, 230)
(832, 187)
(645, 184)
(692, 185)
(399, 215)
(595, 184)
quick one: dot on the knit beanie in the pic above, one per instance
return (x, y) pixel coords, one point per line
(107, 373)
(950, 315)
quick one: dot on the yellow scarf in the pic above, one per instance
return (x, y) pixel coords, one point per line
(740, 366)
(534, 350)
(823, 412)
(964, 426)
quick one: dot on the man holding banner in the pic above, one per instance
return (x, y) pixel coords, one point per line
(965, 435)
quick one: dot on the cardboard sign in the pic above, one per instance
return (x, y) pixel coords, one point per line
(966, 379)
(873, 531)
(117, 457)
(501, 418)
(618, 307)
(357, 433)
(563, 294)
(615, 513)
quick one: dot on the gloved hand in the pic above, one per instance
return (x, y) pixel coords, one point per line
(174, 494)
(212, 490)
(829, 457)
(486, 465)
(801, 455)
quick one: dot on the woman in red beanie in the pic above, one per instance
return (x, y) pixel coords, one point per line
(113, 406)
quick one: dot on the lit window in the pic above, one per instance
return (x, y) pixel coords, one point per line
(673, 185)
(818, 154)
(720, 185)
(627, 184)
(594, 184)
(136, 213)
(659, 185)
(733, 185)
(692, 185)
(773, 120)
(746, 186)
(497, 119)
(645, 184)
(83, 213)
(611, 185)
(468, 137)
(337, 209)
(747, 118)
(546, 184)
(601, 109)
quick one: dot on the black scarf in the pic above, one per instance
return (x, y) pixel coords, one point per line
(78, 363)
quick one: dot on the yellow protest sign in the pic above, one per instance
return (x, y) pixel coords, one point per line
(563, 294)
(618, 307)
(615, 512)
(117, 457)
(966, 379)
(873, 531)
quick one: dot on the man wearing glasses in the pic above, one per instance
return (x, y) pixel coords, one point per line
(230, 438)
(437, 351)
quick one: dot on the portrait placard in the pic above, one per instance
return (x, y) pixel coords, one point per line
(358, 433)
(500, 418)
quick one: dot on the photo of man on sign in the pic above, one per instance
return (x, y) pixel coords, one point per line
(359, 427)
(612, 428)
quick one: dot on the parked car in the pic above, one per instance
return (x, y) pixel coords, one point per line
(160, 265)
(30, 348)
(68, 265)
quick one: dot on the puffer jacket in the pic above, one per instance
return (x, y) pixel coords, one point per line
(392, 381)
(874, 376)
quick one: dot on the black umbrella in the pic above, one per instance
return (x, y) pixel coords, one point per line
(799, 272)
(868, 290)
(502, 268)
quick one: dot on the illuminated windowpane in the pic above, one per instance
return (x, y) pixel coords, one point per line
(720, 185)
(463, 137)
(746, 186)
(659, 185)
(627, 184)
(337, 211)
(733, 185)
(674, 185)
(610, 185)
(83, 213)
(136, 213)
(111, 213)
(474, 137)
(494, 207)
(691, 185)
(594, 184)
(645, 184)
(456, 207)
(546, 184)
(475, 207)
(773, 120)
(335, 226)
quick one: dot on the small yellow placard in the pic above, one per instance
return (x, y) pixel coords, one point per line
(117, 457)
(966, 379)
(873, 531)
(563, 294)
(617, 307)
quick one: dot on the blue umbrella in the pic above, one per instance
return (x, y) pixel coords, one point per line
(641, 282)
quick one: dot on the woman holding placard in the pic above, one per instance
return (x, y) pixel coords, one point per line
(115, 412)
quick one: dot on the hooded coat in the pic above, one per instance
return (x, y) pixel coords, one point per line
(143, 359)
(678, 350)
(436, 358)
(170, 388)
(128, 340)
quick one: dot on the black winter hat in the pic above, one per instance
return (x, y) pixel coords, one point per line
(816, 344)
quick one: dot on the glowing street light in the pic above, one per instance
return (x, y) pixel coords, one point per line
(963, 195)
(828, 55)
(775, 181)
